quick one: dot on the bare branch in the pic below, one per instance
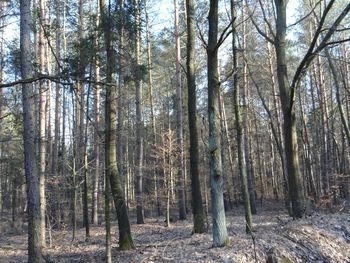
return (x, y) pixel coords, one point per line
(262, 33)
(201, 37)
(225, 34)
(306, 16)
(57, 79)
(266, 20)
(312, 52)
(34, 79)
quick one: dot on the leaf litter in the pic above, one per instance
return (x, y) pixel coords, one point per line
(318, 238)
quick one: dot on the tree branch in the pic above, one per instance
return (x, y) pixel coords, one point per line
(225, 34)
(312, 52)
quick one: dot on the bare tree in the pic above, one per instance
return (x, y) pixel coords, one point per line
(31, 169)
(197, 206)
(220, 237)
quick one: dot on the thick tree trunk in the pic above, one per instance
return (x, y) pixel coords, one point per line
(277, 129)
(31, 169)
(296, 192)
(220, 237)
(197, 205)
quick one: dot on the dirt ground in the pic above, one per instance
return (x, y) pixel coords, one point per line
(317, 238)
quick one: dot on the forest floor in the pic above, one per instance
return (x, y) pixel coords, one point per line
(318, 238)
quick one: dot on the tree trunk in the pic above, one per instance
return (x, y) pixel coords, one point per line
(179, 119)
(96, 177)
(197, 205)
(2, 59)
(338, 98)
(246, 125)
(55, 160)
(139, 121)
(240, 132)
(42, 121)
(85, 186)
(220, 237)
(121, 89)
(153, 119)
(125, 239)
(31, 169)
(277, 132)
(296, 192)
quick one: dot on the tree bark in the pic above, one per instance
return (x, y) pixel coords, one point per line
(179, 119)
(296, 192)
(31, 169)
(220, 237)
(197, 205)
(96, 176)
(139, 121)
(125, 239)
(240, 132)
(121, 89)
(42, 121)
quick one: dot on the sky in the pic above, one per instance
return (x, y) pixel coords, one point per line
(165, 9)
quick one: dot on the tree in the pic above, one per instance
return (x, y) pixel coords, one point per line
(220, 237)
(179, 118)
(287, 94)
(42, 120)
(197, 206)
(31, 169)
(240, 129)
(112, 176)
(139, 120)
(287, 89)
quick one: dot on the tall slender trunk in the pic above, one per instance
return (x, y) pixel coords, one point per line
(121, 89)
(85, 185)
(153, 119)
(74, 169)
(240, 130)
(324, 134)
(2, 59)
(54, 168)
(139, 120)
(229, 149)
(338, 97)
(42, 120)
(125, 239)
(220, 237)
(96, 176)
(64, 110)
(31, 169)
(179, 119)
(246, 127)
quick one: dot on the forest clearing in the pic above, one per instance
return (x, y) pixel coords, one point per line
(317, 238)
